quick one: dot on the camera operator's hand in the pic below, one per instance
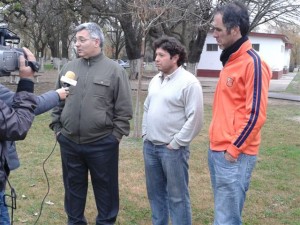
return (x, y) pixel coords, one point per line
(26, 71)
(63, 93)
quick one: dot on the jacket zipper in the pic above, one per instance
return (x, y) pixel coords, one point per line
(82, 97)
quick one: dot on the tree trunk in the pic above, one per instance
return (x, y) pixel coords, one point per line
(137, 113)
(196, 46)
(56, 63)
(133, 43)
(54, 46)
(64, 44)
(134, 69)
(192, 67)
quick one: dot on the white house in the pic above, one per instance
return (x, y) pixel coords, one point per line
(275, 49)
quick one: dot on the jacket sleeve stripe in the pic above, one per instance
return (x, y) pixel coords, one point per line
(255, 101)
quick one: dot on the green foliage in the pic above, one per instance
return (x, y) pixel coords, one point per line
(294, 86)
(17, 6)
(48, 66)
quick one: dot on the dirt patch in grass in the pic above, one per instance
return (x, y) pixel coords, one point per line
(296, 118)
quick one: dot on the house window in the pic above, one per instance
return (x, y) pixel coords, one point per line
(256, 47)
(211, 47)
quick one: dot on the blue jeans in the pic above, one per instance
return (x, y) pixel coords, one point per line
(4, 216)
(167, 181)
(230, 182)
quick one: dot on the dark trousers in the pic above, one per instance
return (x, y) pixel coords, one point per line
(100, 158)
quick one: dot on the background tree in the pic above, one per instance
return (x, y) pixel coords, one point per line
(51, 22)
(115, 36)
(186, 20)
(293, 34)
(294, 37)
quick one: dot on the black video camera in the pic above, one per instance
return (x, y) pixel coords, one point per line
(9, 56)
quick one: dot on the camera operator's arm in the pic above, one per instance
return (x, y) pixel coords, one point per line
(16, 120)
(26, 71)
(45, 101)
(50, 99)
(6, 94)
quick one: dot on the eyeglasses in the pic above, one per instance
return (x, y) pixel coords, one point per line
(82, 40)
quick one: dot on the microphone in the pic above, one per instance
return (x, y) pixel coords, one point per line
(69, 79)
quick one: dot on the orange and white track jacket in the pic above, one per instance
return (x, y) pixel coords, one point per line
(240, 103)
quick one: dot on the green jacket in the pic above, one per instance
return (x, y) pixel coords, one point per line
(100, 104)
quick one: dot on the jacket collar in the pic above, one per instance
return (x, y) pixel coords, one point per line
(226, 53)
(95, 58)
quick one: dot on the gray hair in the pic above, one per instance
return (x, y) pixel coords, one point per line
(94, 30)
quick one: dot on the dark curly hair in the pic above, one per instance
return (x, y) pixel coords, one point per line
(173, 47)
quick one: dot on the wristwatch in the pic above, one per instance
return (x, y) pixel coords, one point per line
(35, 66)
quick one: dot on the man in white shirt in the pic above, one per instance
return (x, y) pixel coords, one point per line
(173, 116)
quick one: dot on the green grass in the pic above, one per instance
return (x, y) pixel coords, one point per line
(294, 86)
(273, 198)
(48, 66)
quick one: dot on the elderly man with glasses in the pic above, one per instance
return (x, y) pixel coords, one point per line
(89, 126)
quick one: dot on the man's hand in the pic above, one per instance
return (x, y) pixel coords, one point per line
(63, 93)
(169, 147)
(230, 158)
(26, 71)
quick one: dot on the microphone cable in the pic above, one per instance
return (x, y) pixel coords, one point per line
(48, 184)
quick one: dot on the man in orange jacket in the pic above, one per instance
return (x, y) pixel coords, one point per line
(239, 112)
